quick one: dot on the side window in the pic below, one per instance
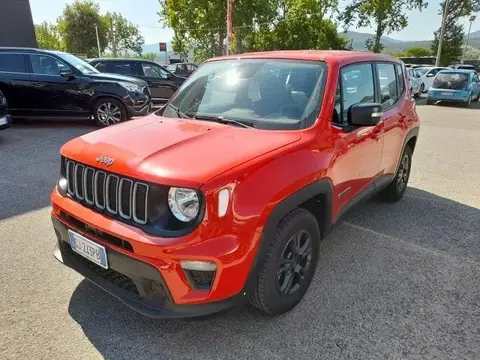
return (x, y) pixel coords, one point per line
(433, 72)
(46, 65)
(475, 77)
(357, 86)
(388, 84)
(400, 79)
(154, 71)
(12, 63)
(101, 66)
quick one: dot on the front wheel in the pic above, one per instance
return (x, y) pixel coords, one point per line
(289, 263)
(430, 102)
(398, 186)
(109, 111)
(467, 104)
(422, 88)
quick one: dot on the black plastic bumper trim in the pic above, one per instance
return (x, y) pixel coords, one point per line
(142, 275)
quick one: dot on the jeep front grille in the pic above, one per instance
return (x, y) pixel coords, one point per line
(108, 192)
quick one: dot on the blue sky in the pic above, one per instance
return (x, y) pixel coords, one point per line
(144, 13)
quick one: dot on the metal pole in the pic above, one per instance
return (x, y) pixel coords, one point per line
(442, 30)
(98, 41)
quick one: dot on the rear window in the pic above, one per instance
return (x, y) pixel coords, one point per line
(12, 63)
(454, 81)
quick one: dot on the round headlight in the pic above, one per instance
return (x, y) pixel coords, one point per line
(184, 203)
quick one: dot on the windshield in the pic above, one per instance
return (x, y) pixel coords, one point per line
(267, 93)
(422, 71)
(81, 65)
(456, 81)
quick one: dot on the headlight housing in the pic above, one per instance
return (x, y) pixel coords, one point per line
(184, 203)
(130, 86)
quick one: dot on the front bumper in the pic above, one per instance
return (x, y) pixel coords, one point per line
(8, 124)
(449, 96)
(138, 104)
(137, 284)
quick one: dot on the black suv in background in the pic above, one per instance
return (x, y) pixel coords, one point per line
(4, 117)
(163, 84)
(182, 69)
(52, 84)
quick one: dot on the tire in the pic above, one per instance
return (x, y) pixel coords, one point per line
(109, 111)
(395, 190)
(430, 102)
(422, 88)
(467, 104)
(280, 285)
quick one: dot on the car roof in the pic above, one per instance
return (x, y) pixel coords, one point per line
(123, 60)
(462, 71)
(313, 55)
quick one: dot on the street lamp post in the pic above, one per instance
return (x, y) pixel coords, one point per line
(442, 30)
(472, 19)
(98, 41)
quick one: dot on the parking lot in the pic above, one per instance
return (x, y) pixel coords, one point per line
(394, 281)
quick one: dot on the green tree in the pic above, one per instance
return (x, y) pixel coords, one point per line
(123, 35)
(386, 16)
(48, 36)
(77, 28)
(258, 25)
(452, 45)
(418, 51)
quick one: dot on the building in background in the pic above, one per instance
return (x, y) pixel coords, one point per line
(16, 24)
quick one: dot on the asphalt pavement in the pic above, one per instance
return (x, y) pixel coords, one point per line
(394, 281)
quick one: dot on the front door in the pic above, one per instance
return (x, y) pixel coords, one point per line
(158, 79)
(358, 149)
(57, 95)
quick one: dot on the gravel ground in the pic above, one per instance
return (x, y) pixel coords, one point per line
(394, 281)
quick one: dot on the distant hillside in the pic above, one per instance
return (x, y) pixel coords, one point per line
(359, 39)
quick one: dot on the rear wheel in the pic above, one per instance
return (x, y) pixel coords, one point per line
(289, 264)
(398, 186)
(109, 111)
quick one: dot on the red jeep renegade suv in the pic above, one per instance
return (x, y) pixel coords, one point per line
(225, 194)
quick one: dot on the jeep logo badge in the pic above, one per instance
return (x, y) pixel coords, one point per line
(105, 160)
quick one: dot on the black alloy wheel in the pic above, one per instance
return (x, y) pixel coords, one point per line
(294, 263)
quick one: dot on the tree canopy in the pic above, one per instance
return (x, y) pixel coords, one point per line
(48, 36)
(418, 51)
(77, 28)
(123, 35)
(386, 16)
(452, 45)
(258, 25)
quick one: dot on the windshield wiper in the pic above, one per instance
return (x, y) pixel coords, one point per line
(224, 120)
(180, 114)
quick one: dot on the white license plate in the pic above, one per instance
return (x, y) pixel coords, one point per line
(3, 121)
(88, 249)
(447, 93)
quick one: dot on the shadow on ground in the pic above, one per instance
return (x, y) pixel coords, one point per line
(393, 281)
(30, 160)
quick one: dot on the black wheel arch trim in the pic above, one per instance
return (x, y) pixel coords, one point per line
(323, 187)
(413, 133)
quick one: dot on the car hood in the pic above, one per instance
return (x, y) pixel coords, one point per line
(117, 77)
(175, 152)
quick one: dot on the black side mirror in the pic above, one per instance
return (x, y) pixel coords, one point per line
(67, 73)
(365, 114)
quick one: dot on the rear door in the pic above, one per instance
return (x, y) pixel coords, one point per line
(393, 99)
(56, 95)
(15, 83)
